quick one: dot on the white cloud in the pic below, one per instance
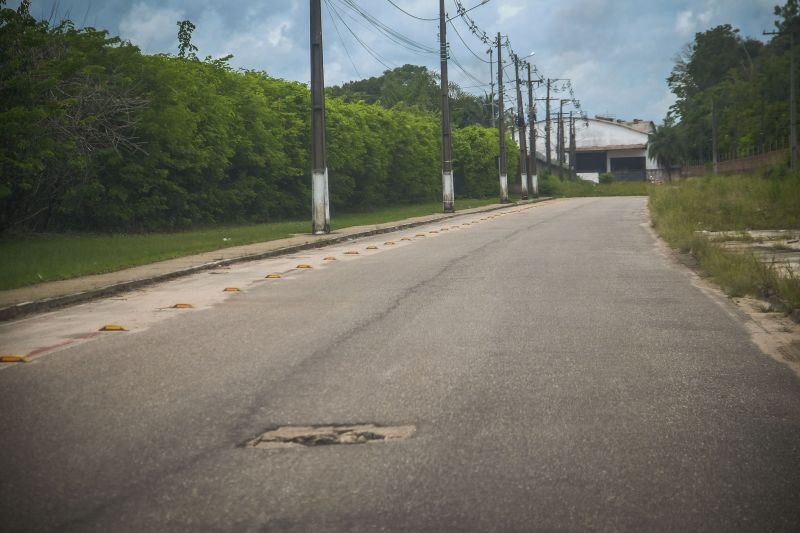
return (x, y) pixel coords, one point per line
(688, 22)
(684, 24)
(277, 34)
(151, 28)
(506, 12)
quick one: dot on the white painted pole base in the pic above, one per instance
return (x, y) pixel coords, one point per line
(320, 210)
(523, 186)
(504, 188)
(327, 204)
(448, 200)
(535, 185)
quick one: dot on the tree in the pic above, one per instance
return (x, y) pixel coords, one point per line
(66, 97)
(665, 146)
(186, 50)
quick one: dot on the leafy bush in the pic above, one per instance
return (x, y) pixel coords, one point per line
(97, 136)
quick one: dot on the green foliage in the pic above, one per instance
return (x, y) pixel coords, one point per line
(605, 178)
(185, 47)
(97, 136)
(50, 257)
(415, 88)
(475, 152)
(727, 203)
(681, 213)
(66, 98)
(666, 146)
(551, 185)
(742, 81)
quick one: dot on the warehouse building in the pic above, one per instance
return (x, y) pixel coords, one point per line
(606, 145)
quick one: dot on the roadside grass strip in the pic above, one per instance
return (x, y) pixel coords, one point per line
(37, 258)
(688, 214)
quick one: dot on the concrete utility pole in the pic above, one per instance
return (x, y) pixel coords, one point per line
(533, 179)
(448, 199)
(571, 143)
(792, 104)
(523, 144)
(561, 139)
(714, 153)
(501, 125)
(320, 207)
(490, 51)
(547, 144)
(792, 100)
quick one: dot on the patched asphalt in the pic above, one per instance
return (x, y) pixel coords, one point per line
(561, 373)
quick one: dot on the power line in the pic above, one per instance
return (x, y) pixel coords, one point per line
(479, 33)
(344, 45)
(409, 14)
(366, 47)
(479, 58)
(464, 70)
(388, 32)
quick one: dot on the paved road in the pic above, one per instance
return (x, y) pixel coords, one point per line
(561, 374)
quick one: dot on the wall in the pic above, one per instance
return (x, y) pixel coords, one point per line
(737, 166)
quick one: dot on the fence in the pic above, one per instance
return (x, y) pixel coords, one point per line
(737, 166)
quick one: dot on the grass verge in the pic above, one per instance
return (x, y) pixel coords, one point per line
(554, 186)
(730, 203)
(51, 257)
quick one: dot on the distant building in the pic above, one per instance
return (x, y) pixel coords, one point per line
(606, 145)
(602, 145)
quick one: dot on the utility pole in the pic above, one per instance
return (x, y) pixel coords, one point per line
(523, 145)
(533, 179)
(561, 139)
(490, 51)
(571, 143)
(714, 153)
(320, 207)
(547, 144)
(447, 147)
(501, 125)
(792, 99)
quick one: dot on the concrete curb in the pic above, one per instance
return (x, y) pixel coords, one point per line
(47, 304)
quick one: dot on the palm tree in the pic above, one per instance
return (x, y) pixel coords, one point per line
(665, 146)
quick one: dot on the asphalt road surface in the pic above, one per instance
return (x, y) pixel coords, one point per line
(561, 372)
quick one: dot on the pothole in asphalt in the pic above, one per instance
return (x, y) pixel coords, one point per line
(307, 436)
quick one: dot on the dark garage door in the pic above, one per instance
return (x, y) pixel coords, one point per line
(628, 168)
(590, 162)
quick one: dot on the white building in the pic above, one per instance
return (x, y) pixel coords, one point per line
(605, 145)
(602, 145)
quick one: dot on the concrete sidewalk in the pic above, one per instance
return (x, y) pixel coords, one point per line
(44, 296)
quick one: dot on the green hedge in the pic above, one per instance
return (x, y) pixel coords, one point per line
(97, 136)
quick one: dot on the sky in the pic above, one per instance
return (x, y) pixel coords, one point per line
(617, 53)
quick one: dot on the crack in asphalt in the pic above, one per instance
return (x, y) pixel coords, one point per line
(246, 422)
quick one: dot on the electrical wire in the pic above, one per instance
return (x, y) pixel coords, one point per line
(375, 25)
(388, 32)
(366, 47)
(344, 45)
(464, 70)
(409, 14)
(479, 58)
(462, 12)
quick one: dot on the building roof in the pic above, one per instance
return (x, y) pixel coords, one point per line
(611, 147)
(642, 126)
